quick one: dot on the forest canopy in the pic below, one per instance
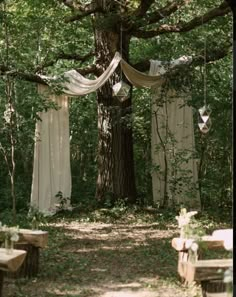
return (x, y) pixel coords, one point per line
(44, 37)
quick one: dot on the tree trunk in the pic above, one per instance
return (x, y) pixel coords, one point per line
(115, 144)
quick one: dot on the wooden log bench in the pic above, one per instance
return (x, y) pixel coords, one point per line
(10, 263)
(207, 272)
(31, 241)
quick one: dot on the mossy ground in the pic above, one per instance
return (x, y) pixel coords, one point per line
(107, 254)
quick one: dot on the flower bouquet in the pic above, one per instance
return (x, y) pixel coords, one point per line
(11, 235)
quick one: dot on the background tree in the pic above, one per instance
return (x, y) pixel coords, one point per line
(115, 24)
(54, 36)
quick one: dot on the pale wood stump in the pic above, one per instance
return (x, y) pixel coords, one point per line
(31, 241)
(37, 238)
(10, 263)
(205, 271)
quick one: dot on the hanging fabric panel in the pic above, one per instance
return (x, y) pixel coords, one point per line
(174, 172)
(51, 172)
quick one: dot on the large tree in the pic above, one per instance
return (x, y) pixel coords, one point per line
(111, 26)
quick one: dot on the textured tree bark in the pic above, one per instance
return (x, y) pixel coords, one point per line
(115, 145)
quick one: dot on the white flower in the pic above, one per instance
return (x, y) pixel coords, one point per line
(15, 237)
(188, 243)
(228, 244)
(228, 275)
(184, 217)
(11, 233)
(194, 247)
(191, 213)
(182, 221)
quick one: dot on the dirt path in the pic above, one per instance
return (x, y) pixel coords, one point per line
(105, 260)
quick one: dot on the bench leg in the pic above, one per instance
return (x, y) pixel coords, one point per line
(183, 259)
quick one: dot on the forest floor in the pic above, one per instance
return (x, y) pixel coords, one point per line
(126, 257)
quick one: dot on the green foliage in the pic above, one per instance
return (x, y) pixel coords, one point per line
(35, 218)
(27, 103)
(138, 243)
(36, 34)
(83, 143)
(215, 149)
(142, 144)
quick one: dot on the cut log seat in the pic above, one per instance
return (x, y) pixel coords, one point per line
(209, 273)
(216, 294)
(204, 270)
(37, 238)
(30, 267)
(31, 241)
(10, 262)
(214, 288)
(209, 242)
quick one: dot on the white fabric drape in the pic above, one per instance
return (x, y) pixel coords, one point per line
(51, 171)
(139, 79)
(76, 84)
(174, 168)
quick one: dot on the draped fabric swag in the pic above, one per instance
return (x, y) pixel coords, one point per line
(51, 172)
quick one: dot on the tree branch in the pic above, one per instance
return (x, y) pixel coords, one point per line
(68, 3)
(141, 19)
(83, 11)
(64, 56)
(231, 4)
(212, 56)
(76, 5)
(31, 77)
(143, 8)
(164, 12)
(79, 16)
(4, 70)
(80, 10)
(221, 10)
(91, 69)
